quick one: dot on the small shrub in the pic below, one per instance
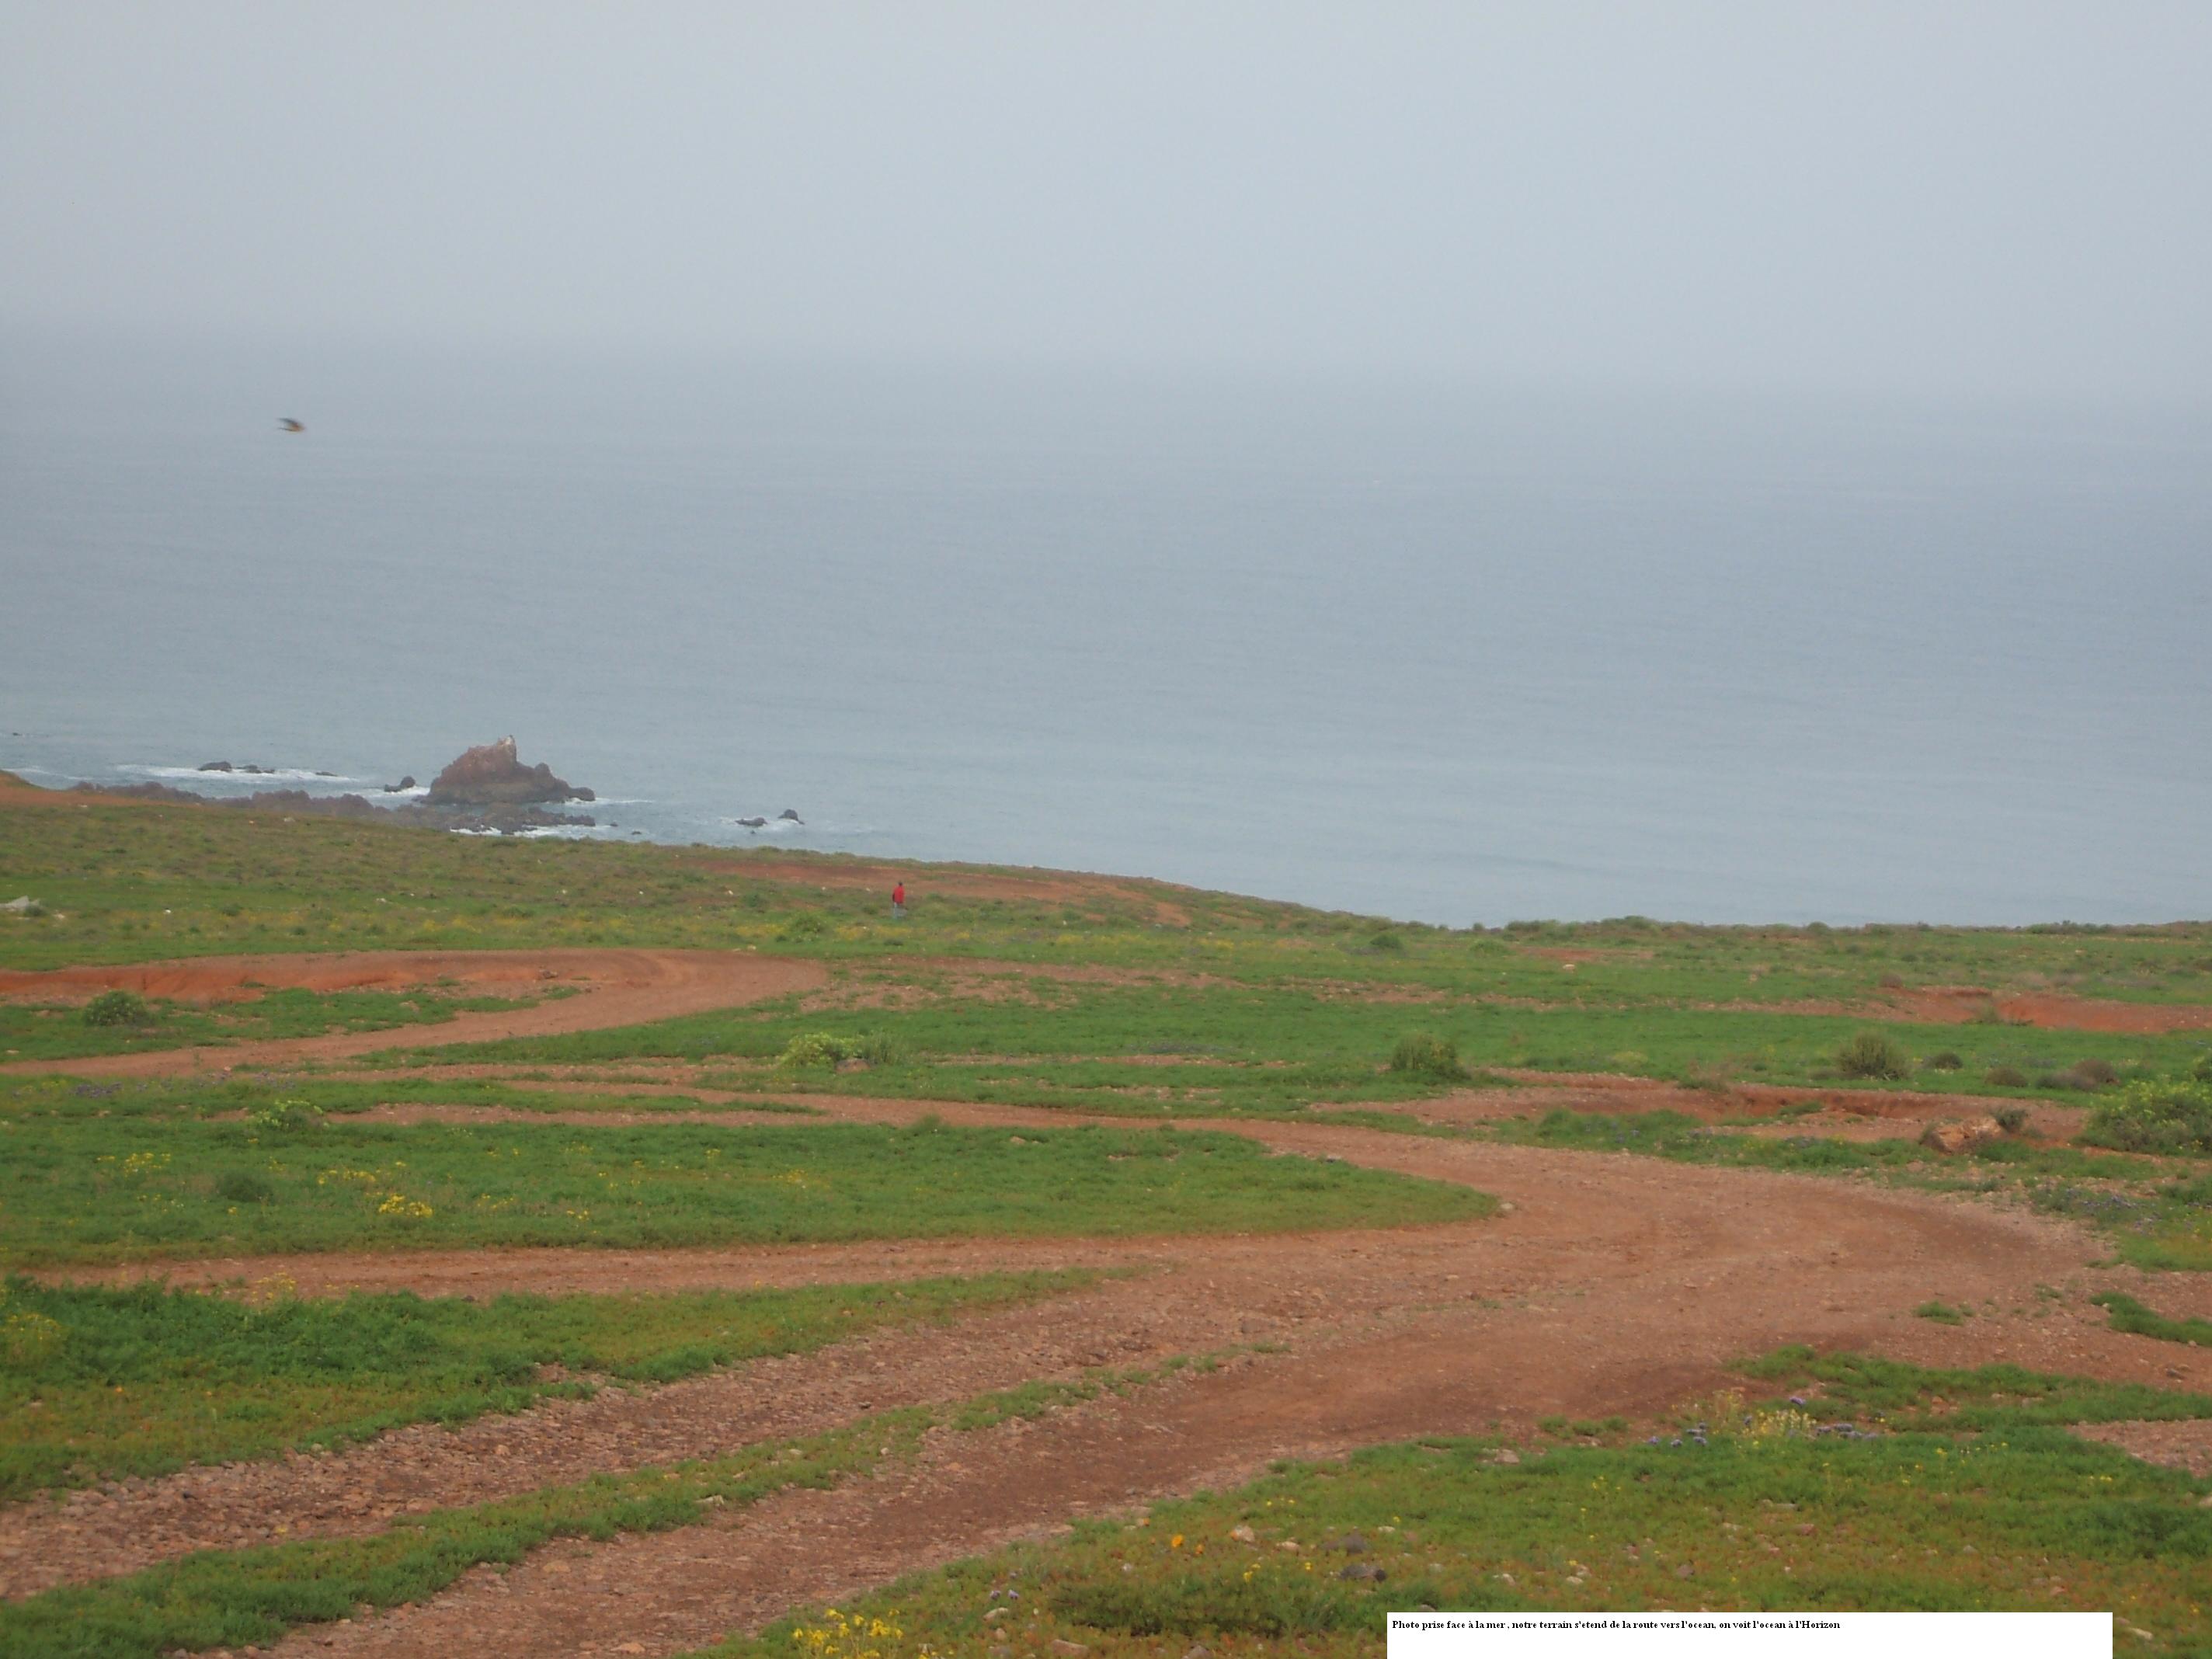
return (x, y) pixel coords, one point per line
(118, 1008)
(1946, 1061)
(1386, 942)
(2201, 1071)
(2005, 1077)
(1431, 1059)
(243, 1186)
(825, 1050)
(1873, 1055)
(2093, 1073)
(286, 1112)
(1892, 982)
(1941, 1313)
(2011, 1119)
(2153, 1115)
(806, 925)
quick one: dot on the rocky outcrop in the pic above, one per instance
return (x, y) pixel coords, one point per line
(1957, 1135)
(491, 776)
(267, 800)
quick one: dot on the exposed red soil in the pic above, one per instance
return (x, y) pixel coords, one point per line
(614, 987)
(1957, 1004)
(2177, 1446)
(1614, 1284)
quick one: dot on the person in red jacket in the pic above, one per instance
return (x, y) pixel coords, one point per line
(898, 902)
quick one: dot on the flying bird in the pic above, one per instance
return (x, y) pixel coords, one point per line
(291, 425)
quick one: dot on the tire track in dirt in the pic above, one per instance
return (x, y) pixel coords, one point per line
(1616, 1285)
(613, 987)
(1602, 1261)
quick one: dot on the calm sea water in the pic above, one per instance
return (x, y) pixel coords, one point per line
(1448, 658)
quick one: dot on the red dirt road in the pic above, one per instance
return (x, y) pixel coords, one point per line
(614, 987)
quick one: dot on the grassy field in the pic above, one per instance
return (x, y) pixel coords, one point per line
(99, 1383)
(237, 1597)
(1250, 1046)
(133, 882)
(62, 1032)
(1949, 1490)
(1128, 999)
(76, 1187)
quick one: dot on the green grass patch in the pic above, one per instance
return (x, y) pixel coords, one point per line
(98, 1384)
(2130, 1315)
(1766, 1507)
(231, 1598)
(120, 1021)
(77, 1188)
(235, 1597)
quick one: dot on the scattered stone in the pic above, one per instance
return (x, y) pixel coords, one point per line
(1363, 1571)
(1505, 1454)
(1061, 1645)
(1685, 1571)
(995, 1613)
(1961, 1134)
(1289, 1547)
(1198, 1650)
(1351, 1544)
(1244, 1534)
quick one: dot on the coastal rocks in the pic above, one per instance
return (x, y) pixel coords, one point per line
(245, 769)
(294, 802)
(1962, 1136)
(491, 776)
(787, 816)
(402, 787)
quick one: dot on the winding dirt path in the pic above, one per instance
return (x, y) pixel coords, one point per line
(1613, 1284)
(611, 987)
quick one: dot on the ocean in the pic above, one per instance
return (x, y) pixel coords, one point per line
(1451, 655)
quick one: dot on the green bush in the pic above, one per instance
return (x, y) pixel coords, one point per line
(824, 1050)
(2153, 1115)
(1432, 1060)
(2093, 1073)
(806, 925)
(1946, 1061)
(1874, 1055)
(243, 1186)
(2005, 1077)
(118, 1008)
(2011, 1119)
(285, 1112)
(1387, 942)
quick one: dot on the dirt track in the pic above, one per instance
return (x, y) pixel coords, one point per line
(613, 987)
(1614, 1284)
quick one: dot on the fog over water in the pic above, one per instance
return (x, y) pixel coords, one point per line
(1571, 462)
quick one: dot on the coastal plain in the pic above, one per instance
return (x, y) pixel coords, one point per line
(419, 1244)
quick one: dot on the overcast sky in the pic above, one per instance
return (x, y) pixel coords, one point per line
(2007, 198)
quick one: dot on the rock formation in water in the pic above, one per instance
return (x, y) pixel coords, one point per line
(491, 776)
